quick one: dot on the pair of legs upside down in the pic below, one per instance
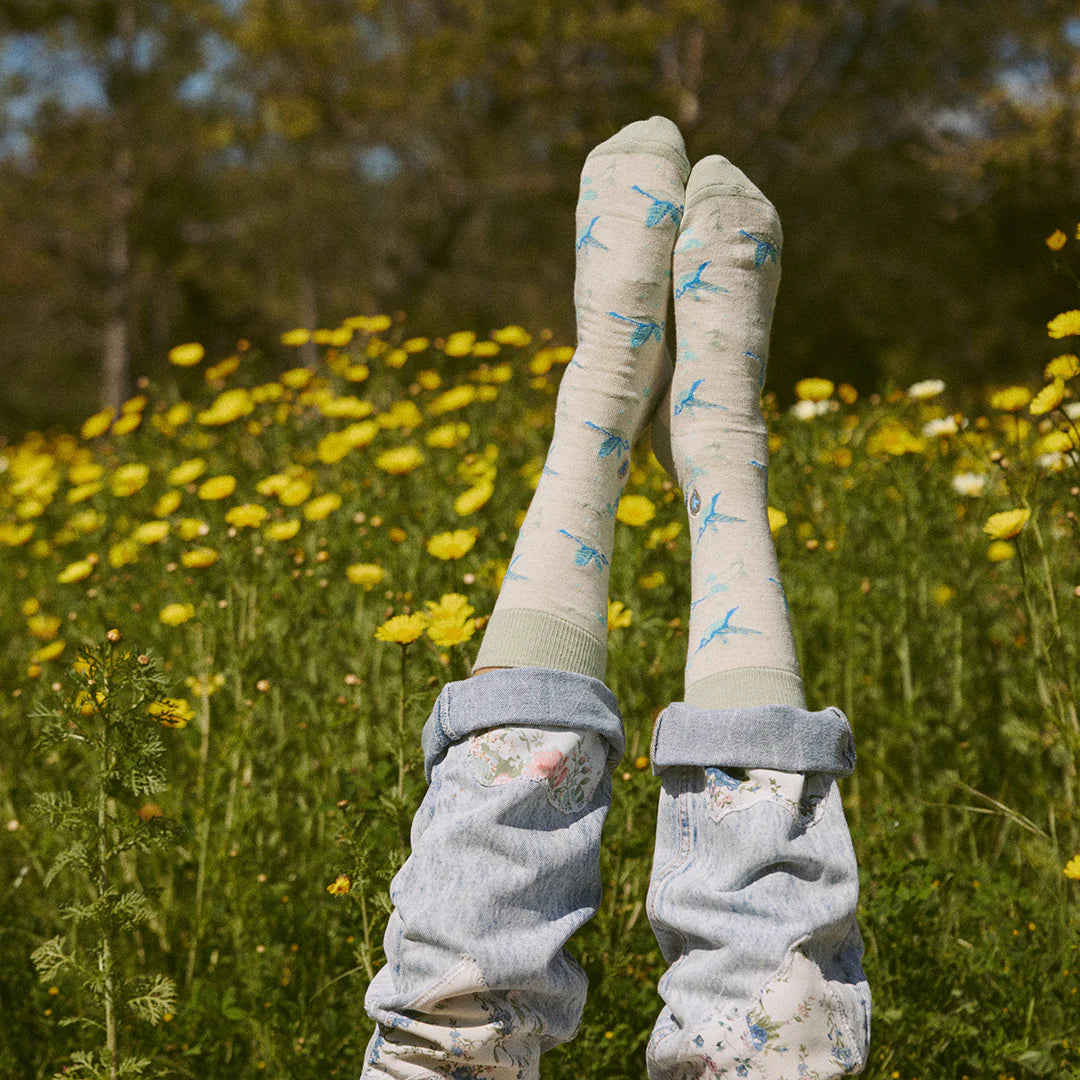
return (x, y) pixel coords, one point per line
(754, 882)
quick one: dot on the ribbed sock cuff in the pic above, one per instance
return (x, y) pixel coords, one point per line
(742, 687)
(522, 637)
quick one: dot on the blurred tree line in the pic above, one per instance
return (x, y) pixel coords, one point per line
(236, 168)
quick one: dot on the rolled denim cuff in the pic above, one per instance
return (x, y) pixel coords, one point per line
(522, 697)
(781, 737)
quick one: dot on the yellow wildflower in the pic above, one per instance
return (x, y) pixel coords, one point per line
(177, 415)
(663, 534)
(1067, 324)
(447, 632)
(297, 378)
(222, 369)
(296, 337)
(190, 528)
(128, 479)
(1006, 524)
(84, 491)
(944, 594)
(1048, 398)
(1072, 868)
(186, 472)
(85, 473)
(1056, 240)
(88, 521)
(1010, 399)
(356, 372)
(813, 389)
(512, 335)
(217, 487)
(295, 492)
(171, 712)
(30, 606)
(366, 575)
(457, 397)
(400, 460)
(76, 571)
(226, 407)
(127, 424)
(98, 424)
(777, 520)
(401, 414)
(402, 629)
(653, 580)
(283, 530)
(123, 553)
(471, 500)
(199, 558)
(452, 545)
(246, 515)
(460, 343)
(13, 535)
(1064, 366)
(396, 358)
(485, 349)
(447, 436)
(151, 532)
(847, 393)
(175, 614)
(415, 344)
(894, 439)
(340, 886)
(635, 510)
(618, 615)
(48, 652)
(1000, 551)
(167, 504)
(349, 407)
(209, 686)
(43, 627)
(186, 355)
(322, 506)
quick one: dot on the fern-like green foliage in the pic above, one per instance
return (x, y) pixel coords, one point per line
(105, 721)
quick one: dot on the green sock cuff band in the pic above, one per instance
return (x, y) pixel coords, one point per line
(743, 687)
(522, 637)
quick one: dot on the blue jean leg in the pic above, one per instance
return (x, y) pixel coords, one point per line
(505, 866)
(753, 897)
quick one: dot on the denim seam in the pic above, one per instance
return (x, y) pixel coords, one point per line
(680, 860)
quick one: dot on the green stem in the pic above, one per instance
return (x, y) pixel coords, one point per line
(401, 731)
(203, 810)
(105, 959)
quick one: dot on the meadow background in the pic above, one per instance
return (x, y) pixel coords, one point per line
(201, 814)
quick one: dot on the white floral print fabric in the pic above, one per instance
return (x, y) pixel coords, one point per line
(801, 794)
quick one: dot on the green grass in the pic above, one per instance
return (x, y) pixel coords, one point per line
(301, 761)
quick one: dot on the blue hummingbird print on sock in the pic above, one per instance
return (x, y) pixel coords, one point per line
(723, 630)
(613, 442)
(716, 517)
(586, 239)
(692, 283)
(761, 368)
(660, 209)
(766, 250)
(643, 329)
(586, 552)
(511, 574)
(689, 400)
(783, 593)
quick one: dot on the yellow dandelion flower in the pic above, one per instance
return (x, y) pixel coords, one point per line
(295, 492)
(619, 615)
(123, 553)
(222, 369)
(322, 506)
(128, 479)
(346, 408)
(1056, 240)
(402, 629)
(298, 336)
(171, 712)
(84, 491)
(400, 460)
(226, 407)
(847, 393)
(12, 535)
(653, 580)
(450, 606)
(487, 393)
(814, 389)
(415, 344)
(247, 515)
(356, 372)
(150, 532)
(1000, 551)
(127, 424)
(186, 472)
(283, 530)
(297, 378)
(189, 529)
(178, 415)
(175, 614)
(943, 594)
(217, 487)
(44, 627)
(85, 472)
(98, 424)
(48, 652)
(663, 534)
(1067, 324)
(777, 520)
(447, 436)
(1072, 867)
(1048, 398)
(460, 343)
(167, 504)
(635, 510)
(485, 349)
(366, 575)
(1010, 399)
(30, 606)
(471, 500)
(396, 358)
(199, 558)
(76, 571)
(448, 632)
(457, 397)
(401, 414)
(429, 380)
(186, 355)
(1006, 524)
(340, 886)
(452, 545)
(894, 439)
(1064, 366)
(512, 335)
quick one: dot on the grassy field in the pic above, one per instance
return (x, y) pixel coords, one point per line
(173, 877)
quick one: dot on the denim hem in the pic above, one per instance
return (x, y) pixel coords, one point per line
(522, 697)
(781, 737)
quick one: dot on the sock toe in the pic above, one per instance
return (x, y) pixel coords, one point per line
(715, 175)
(657, 135)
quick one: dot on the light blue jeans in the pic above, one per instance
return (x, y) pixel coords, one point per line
(752, 897)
